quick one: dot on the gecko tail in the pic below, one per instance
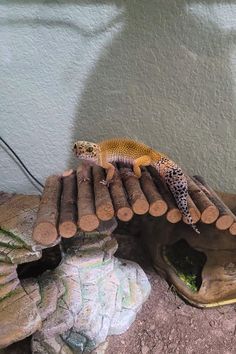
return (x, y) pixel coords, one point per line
(177, 183)
(195, 229)
(181, 200)
(188, 217)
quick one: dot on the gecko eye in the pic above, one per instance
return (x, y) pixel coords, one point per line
(74, 147)
(89, 149)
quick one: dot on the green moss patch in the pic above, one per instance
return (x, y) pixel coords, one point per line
(187, 262)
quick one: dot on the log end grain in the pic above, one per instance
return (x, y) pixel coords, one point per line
(158, 208)
(224, 222)
(67, 173)
(232, 229)
(105, 211)
(88, 222)
(195, 214)
(210, 214)
(173, 216)
(67, 229)
(125, 214)
(140, 206)
(45, 233)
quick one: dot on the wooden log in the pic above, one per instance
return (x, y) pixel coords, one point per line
(45, 229)
(67, 173)
(232, 229)
(194, 212)
(209, 211)
(103, 203)
(224, 222)
(157, 206)
(134, 192)
(68, 208)
(226, 217)
(229, 199)
(122, 208)
(87, 219)
(173, 214)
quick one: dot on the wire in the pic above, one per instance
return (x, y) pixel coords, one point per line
(21, 162)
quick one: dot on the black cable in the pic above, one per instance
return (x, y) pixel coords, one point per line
(21, 162)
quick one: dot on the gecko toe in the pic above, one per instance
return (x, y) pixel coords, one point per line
(105, 183)
(83, 179)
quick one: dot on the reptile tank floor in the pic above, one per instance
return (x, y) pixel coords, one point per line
(166, 324)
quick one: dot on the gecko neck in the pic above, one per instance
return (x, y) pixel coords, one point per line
(88, 159)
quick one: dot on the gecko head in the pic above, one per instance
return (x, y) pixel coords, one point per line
(86, 150)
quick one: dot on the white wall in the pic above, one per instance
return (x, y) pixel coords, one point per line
(163, 72)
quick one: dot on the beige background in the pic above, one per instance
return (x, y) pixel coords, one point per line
(163, 72)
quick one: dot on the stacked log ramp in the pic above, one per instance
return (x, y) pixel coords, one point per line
(71, 202)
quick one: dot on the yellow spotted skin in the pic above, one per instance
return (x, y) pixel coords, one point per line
(137, 154)
(127, 149)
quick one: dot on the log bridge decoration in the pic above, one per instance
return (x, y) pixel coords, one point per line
(69, 203)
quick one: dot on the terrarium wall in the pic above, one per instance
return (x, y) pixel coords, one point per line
(163, 72)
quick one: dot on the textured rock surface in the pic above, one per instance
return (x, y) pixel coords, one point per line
(88, 296)
(166, 324)
(73, 308)
(101, 297)
(19, 316)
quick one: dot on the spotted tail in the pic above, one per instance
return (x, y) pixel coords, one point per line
(176, 181)
(181, 200)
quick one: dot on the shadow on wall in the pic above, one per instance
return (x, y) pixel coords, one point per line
(167, 79)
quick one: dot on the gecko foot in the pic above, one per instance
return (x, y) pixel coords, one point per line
(105, 183)
(83, 179)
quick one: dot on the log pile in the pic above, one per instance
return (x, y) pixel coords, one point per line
(71, 201)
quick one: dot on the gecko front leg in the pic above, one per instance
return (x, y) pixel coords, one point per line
(84, 175)
(110, 169)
